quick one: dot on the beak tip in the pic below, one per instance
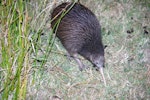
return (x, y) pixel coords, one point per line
(102, 72)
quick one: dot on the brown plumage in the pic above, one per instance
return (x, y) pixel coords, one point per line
(80, 33)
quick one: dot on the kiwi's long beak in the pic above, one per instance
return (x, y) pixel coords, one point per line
(102, 72)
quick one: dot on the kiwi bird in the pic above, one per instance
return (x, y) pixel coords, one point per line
(80, 33)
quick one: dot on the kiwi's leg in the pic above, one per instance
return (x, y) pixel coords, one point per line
(81, 65)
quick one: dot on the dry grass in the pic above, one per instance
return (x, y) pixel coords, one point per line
(126, 32)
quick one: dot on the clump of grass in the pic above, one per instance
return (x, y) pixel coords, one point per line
(15, 64)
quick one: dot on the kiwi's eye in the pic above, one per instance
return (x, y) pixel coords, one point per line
(96, 63)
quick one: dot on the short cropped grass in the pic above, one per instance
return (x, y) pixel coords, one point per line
(126, 35)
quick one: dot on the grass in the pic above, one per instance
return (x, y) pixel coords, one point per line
(29, 71)
(14, 50)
